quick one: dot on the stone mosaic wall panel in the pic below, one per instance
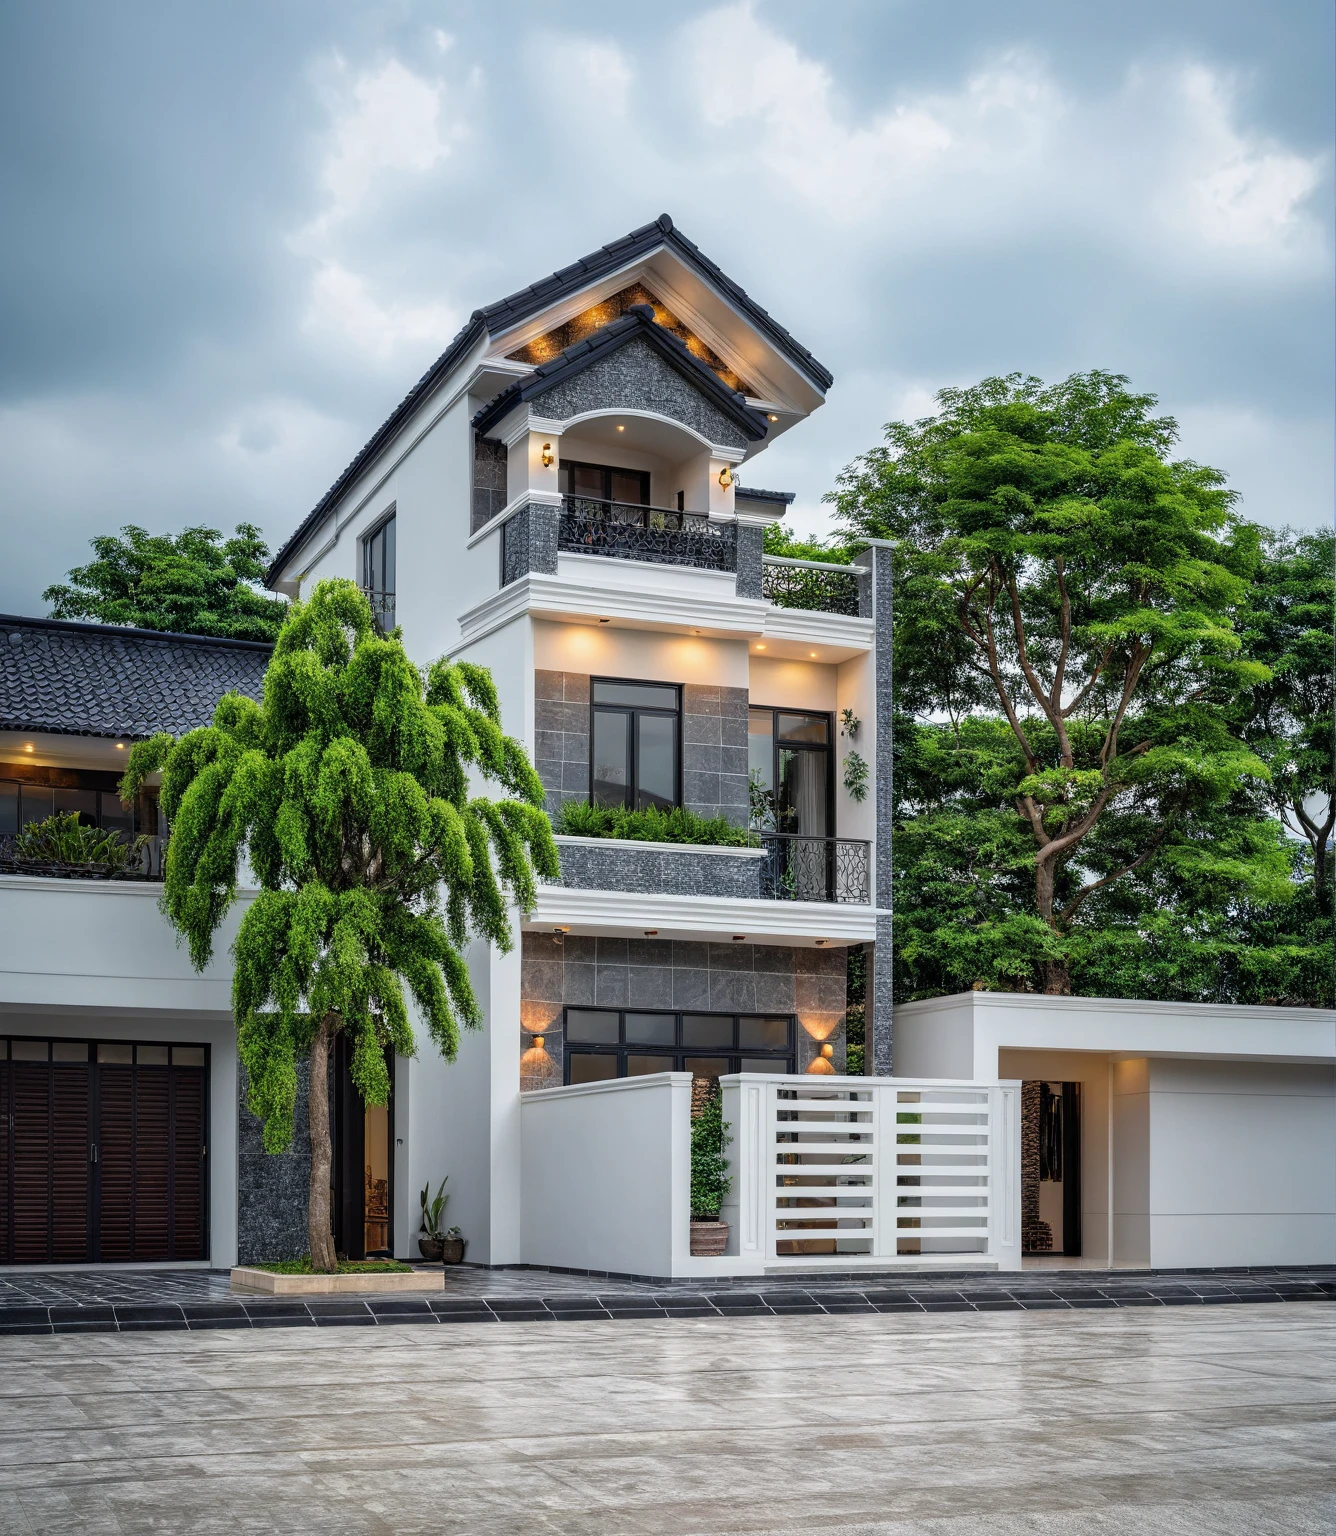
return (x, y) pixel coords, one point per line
(569, 970)
(561, 736)
(626, 866)
(272, 1187)
(636, 377)
(714, 751)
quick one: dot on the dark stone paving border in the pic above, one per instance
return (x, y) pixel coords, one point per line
(1071, 1291)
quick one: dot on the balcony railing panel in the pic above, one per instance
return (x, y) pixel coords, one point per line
(810, 584)
(659, 535)
(798, 868)
(382, 608)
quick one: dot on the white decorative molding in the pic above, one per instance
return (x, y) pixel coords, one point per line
(713, 918)
(807, 626)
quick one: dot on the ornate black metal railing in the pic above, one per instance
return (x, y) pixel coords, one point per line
(382, 608)
(798, 868)
(589, 526)
(144, 863)
(810, 584)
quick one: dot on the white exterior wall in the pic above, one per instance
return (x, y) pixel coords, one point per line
(1208, 1132)
(607, 1175)
(611, 651)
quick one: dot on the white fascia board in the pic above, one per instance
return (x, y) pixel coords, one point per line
(711, 918)
(809, 627)
(1134, 1027)
(633, 607)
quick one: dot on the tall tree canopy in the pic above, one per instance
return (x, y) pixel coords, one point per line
(1066, 603)
(191, 583)
(347, 791)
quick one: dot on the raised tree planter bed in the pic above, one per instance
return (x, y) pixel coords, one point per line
(264, 1282)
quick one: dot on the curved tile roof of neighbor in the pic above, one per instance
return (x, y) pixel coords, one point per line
(508, 312)
(107, 680)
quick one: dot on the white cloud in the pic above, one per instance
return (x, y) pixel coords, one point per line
(596, 76)
(343, 308)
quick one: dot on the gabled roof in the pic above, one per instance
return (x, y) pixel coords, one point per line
(636, 324)
(509, 312)
(75, 679)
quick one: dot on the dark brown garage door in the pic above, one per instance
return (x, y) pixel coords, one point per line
(102, 1151)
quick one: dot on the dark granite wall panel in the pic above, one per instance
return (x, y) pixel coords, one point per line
(529, 542)
(572, 971)
(272, 1187)
(636, 377)
(879, 558)
(561, 736)
(751, 541)
(489, 479)
(626, 866)
(714, 751)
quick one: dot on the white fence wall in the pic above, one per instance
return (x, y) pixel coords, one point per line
(888, 1170)
(606, 1180)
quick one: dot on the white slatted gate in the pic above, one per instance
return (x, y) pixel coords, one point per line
(837, 1171)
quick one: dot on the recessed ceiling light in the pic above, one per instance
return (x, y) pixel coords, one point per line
(760, 647)
(120, 746)
(620, 427)
(605, 621)
(561, 930)
(813, 655)
(773, 417)
(738, 937)
(820, 942)
(27, 746)
(651, 933)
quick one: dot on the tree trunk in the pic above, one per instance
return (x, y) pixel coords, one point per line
(322, 1156)
(1057, 979)
(1056, 976)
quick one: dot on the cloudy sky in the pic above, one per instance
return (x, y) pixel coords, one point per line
(235, 234)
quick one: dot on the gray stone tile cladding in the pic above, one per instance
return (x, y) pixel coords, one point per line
(751, 540)
(623, 866)
(529, 542)
(561, 736)
(570, 970)
(883, 597)
(714, 751)
(272, 1187)
(637, 378)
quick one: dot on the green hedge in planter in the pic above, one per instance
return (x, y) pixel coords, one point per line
(677, 825)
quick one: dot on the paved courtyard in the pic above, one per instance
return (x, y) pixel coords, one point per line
(1185, 1420)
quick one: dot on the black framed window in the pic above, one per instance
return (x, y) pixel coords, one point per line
(635, 740)
(24, 803)
(603, 1043)
(378, 572)
(603, 482)
(791, 768)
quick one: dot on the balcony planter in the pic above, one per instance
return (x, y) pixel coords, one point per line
(708, 1239)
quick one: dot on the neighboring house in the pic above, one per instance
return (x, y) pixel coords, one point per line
(558, 499)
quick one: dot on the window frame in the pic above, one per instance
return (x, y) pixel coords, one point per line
(110, 808)
(633, 765)
(774, 711)
(378, 530)
(607, 471)
(677, 1053)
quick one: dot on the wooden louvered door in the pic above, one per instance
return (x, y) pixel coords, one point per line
(102, 1152)
(48, 1185)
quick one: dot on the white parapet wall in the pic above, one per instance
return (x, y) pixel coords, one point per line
(827, 1173)
(606, 1175)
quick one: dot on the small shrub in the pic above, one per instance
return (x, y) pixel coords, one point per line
(710, 1181)
(677, 825)
(63, 839)
(302, 1266)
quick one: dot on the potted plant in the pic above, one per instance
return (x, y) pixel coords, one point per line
(453, 1245)
(710, 1181)
(431, 1243)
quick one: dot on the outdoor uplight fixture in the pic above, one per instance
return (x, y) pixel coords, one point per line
(549, 458)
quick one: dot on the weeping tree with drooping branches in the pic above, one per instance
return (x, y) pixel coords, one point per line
(350, 792)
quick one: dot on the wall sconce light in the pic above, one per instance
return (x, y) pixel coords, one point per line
(537, 1041)
(549, 458)
(827, 1049)
(725, 477)
(820, 1065)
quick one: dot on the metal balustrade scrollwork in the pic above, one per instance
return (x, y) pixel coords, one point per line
(798, 868)
(809, 584)
(624, 531)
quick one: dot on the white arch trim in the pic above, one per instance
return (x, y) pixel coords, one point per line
(724, 451)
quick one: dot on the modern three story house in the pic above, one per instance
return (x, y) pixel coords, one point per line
(568, 497)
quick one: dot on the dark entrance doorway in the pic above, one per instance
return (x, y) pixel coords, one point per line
(1051, 1168)
(363, 1164)
(102, 1151)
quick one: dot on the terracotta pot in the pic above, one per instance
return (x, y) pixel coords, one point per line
(430, 1249)
(452, 1249)
(708, 1239)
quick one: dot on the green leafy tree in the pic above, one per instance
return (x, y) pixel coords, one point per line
(348, 793)
(191, 583)
(1056, 563)
(1287, 624)
(710, 1181)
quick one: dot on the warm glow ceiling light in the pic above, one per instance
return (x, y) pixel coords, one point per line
(120, 746)
(760, 647)
(773, 417)
(605, 621)
(651, 933)
(27, 746)
(562, 930)
(620, 427)
(820, 942)
(738, 937)
(549, 458)
(813, 654)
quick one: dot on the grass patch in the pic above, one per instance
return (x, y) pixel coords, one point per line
(302, 1266)
(678, 825)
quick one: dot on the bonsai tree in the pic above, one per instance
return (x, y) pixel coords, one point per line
(710, 1181)
(348, 793)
